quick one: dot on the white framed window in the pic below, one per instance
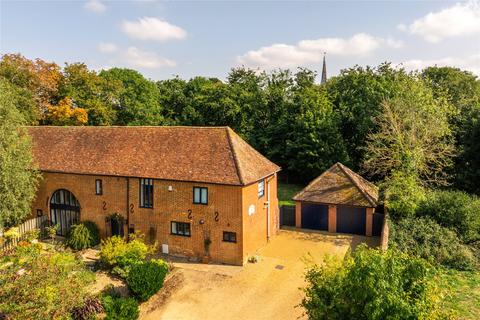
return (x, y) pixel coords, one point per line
(180, 228)
(261, 188)
(200, 195)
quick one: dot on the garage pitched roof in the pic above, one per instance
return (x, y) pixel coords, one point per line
(199, 154)
(340, 185)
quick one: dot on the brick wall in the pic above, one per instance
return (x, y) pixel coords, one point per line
(255, 215)
(226, 207)
(93, 207)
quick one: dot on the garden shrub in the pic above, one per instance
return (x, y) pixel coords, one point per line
(424, 238)
(403, 194)
(120, 255)
(94, 232)
(48, 285)
(118, 308)
(88, 310)
(26, 253)
(371, 284)
(83, 235)
(145, 279)
(455, 210)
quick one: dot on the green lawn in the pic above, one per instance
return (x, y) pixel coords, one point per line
(464, 293)
(286, 192)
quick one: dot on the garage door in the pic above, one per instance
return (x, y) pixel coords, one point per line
(314, 216)
(351, 220)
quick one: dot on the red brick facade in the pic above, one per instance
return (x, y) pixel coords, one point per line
(230, 208)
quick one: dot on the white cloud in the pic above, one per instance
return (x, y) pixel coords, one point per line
(311, 51)
(137, 58)
(148, 28)
(95, 6)
(460, 19)
(470, 63)
(107, 47)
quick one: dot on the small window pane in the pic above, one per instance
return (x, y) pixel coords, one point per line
(261, 188)
(98, 186)
(229, 236)
(146, 193)
(200, 195)
(180, 228)
(196, 195)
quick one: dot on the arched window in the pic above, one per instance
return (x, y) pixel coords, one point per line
(64, 210)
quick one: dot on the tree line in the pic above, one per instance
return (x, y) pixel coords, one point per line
(299, 124)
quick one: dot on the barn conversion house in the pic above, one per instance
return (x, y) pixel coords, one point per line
(339, 200)
(179, 186)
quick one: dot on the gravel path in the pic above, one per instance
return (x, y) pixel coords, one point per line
(269, 289)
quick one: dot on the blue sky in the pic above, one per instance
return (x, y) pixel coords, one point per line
(186, 38)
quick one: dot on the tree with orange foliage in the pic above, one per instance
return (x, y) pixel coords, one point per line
(66, 114)
(39, 77)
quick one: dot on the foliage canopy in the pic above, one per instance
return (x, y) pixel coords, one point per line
(18, 177)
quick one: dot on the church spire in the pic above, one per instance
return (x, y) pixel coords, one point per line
(324, 70)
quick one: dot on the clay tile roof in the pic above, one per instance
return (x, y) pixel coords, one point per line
(340, 185)
(198, 154)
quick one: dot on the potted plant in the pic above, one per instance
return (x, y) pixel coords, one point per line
(206, 243)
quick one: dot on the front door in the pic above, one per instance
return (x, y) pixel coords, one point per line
(64, 211)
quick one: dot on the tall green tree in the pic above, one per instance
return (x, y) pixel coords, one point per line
(462, 91)
(357, 95)
(209, 103)
(313, 142)
(271, 121)
(99, 97)
(24, 101)
(138, 101)
(18, 177)
(467, 167)
(172, 98)
(247, 89)
(413, 135)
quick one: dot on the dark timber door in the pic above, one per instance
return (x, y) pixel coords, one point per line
(377, 224)
(351, 220)
(314, 216)
(64, 211)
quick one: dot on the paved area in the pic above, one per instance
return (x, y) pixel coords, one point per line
(269, 289)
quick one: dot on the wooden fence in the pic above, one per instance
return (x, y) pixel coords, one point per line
(36, 223)
(287, 216)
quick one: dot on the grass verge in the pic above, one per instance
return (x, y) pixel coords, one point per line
(286, 192)
(463, 295)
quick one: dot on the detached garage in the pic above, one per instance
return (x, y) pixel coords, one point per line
(339, 200)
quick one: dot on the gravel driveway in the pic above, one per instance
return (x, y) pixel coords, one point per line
(269, 289)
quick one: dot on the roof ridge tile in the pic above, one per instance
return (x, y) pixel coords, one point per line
(234, 153)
